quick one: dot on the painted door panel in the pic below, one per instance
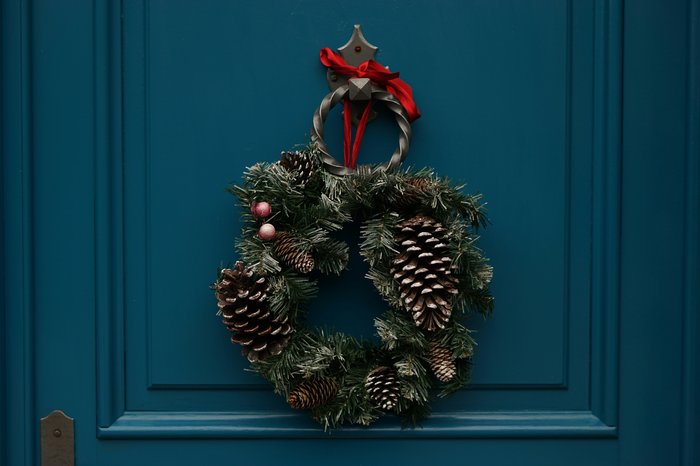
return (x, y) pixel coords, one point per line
(123, 123)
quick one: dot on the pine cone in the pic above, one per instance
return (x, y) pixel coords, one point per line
(441, 362)
(242, 300)
(422, 269)
(286, 249)
(413, 190)
(313, 393)
(301, 163)
(383, 388)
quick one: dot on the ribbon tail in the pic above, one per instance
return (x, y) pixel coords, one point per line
(360, 133)
(404, 94)
(347, 132)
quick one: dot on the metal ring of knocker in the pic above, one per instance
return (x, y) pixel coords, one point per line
(330, 100)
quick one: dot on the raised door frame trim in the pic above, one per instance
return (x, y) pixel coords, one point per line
(114, 421)
(690, 385)
(18, 432)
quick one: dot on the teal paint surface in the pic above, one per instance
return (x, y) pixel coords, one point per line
(123, 122)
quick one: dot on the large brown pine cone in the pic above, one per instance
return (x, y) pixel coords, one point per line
(287, 250)
(441, 362)
(242, 298)
(383, 387)
(313, 393)
(422, 270)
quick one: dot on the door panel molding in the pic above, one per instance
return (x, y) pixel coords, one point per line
(607, 200)
(18, 434)
(522, 424)
(109, 219)
(123, 128)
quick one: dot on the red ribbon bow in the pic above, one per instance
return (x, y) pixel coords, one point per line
(376, 73)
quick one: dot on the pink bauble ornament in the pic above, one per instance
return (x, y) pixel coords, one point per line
(262, 209)
(267, 231)
(252, 207)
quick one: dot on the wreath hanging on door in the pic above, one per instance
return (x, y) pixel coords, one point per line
(418, 237)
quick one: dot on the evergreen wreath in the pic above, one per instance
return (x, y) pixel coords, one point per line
(418, 237)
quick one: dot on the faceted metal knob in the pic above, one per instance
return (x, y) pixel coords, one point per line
(360, 89)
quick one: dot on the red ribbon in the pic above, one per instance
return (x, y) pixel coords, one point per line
(376, 73)
(379, 75)
(350, 158)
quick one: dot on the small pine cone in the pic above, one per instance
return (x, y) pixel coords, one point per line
(242, 300)
(313, 393)
(383, 387)
(301, 163)
(286, 249)
(413, 190)
(422, 270)
(441, 362)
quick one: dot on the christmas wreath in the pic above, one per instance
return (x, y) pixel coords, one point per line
(418, 234)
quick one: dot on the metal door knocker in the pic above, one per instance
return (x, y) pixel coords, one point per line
(357, 80)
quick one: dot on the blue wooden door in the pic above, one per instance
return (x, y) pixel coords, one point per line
(123, 123)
